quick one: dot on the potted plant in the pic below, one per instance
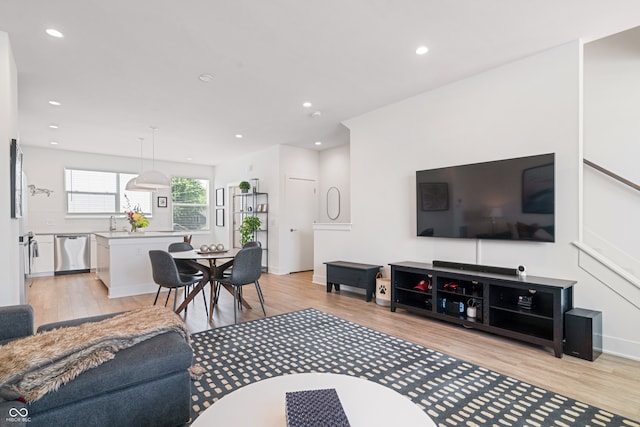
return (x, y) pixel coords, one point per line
(250, 225)
(244, 186)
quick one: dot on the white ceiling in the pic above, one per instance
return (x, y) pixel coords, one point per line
(125, 65)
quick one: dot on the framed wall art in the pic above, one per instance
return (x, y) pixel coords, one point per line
(219, 196)
(219, 217)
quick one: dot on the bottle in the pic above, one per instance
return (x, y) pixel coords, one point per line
(112, 223)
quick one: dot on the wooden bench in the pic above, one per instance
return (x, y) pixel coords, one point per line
(354, 274)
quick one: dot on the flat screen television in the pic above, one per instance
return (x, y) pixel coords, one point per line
(510, 199)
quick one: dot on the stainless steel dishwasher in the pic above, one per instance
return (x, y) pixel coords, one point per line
(71, 254)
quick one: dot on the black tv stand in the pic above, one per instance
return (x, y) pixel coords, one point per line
(539, 320)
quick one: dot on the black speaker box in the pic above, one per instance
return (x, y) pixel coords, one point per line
(583, 333)
(476, 267)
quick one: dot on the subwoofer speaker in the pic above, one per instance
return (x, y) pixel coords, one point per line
(583, 333)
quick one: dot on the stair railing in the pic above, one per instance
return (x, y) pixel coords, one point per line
(612, 175)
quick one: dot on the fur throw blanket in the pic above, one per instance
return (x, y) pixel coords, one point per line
(33, 366)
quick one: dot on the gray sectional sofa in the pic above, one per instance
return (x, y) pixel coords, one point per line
(144, 385)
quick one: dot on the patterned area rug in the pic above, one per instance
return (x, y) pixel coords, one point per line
(453, 392)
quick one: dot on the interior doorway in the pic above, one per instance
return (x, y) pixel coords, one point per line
(301, 214)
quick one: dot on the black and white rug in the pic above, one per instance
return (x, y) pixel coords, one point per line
(453, 392)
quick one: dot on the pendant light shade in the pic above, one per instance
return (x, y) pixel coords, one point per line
(153, 179)
(133, 186)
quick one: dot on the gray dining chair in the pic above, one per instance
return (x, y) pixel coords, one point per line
(166, 275)
(187, 269)
(227, 271)
(247, 269)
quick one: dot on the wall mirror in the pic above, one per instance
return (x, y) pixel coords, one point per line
(333, 203)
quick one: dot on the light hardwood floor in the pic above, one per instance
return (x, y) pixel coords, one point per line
(611, 383)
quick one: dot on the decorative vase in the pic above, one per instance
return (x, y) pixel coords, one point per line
(134, 228)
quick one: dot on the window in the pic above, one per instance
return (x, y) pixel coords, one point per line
(100, 193)
(190, 201)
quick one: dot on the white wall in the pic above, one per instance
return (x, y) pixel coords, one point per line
(611, 93)
(45, 169)
(335, 171)
(611, 139)
(530, 106)
(9, 289)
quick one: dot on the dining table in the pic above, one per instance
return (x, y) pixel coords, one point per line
(211, 270)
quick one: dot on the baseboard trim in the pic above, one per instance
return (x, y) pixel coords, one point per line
(319, 279)
(621, 347)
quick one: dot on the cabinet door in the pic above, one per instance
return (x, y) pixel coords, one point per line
(94, 252)
(103, 261)
(43, 263)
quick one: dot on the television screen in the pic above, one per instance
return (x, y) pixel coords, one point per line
(509, 199)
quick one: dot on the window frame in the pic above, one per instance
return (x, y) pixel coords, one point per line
(121, 178)
(207, 205)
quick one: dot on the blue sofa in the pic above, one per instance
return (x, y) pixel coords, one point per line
(147, 384)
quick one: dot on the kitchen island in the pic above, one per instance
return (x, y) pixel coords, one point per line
(122, 261)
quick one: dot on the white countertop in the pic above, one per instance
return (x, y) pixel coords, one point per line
(122, 233)
(139, 235)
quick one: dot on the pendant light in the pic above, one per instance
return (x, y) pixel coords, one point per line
(132, 184)
(153, 179)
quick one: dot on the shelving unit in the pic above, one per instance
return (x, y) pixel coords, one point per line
(495, 297)
(253, 204)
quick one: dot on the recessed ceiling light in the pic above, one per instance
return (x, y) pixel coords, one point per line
(189, 158)
(56, 103)
(55, 33)
(238, 135)
(306, 104)
(54, 143)
(53, 126)
(318, 142)
(206, 78)
(316, 114)
(422, 50)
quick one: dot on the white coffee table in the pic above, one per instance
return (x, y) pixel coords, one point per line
(365, 403)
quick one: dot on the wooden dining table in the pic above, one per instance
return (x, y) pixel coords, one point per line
(211, 270)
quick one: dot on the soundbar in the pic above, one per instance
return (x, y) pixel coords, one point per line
(476, 267)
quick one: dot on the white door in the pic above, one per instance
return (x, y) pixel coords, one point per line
(301, 211)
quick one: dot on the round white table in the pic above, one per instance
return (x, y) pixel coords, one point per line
(365, 403)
